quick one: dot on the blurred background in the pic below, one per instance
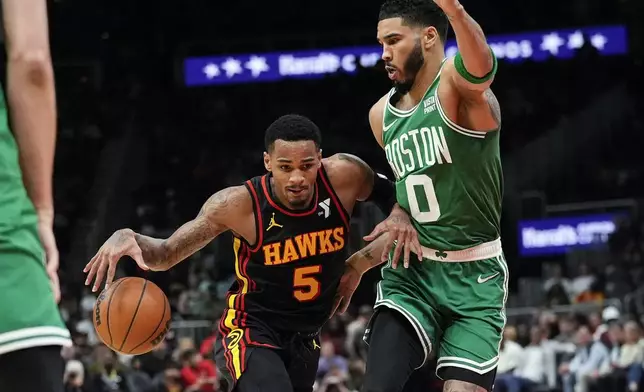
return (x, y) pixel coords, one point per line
(162, 103)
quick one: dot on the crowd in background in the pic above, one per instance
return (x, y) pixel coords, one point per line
(121, 112)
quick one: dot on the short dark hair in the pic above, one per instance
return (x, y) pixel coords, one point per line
(292, 128)
(416, 13)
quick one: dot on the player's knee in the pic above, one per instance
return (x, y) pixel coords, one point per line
(462, 386)
(462, 380)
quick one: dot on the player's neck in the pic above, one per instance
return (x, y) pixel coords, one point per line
(425, 77)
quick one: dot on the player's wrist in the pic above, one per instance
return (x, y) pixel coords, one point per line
(362, 261)
(456, 13)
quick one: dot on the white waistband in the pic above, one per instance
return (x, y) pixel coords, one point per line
(486, 250)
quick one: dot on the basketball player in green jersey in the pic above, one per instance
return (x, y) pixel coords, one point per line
(439, 127)
(31, 329)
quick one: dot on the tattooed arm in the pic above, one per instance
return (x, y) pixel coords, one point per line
(228, 209)
(215, 217)
(351, 178)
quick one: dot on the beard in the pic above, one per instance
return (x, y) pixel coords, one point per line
(412, 65)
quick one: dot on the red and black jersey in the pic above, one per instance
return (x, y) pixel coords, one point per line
(288, 279)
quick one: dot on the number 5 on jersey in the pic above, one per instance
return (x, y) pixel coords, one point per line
(306, 286)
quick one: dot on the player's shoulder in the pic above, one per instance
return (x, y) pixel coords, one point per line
(344, 167)
(231, 201)
(376, 116)
(377, 111)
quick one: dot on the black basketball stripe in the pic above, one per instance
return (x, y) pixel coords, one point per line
(109, 302)
(165, 301)
(138, 304)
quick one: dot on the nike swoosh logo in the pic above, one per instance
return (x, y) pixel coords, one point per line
(386, 127)
(481, 279)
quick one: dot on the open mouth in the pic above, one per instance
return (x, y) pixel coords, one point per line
(391, 72)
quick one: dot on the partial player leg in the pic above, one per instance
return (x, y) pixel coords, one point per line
(244, 368)
(265, 373)
(37, 369)
(303, 363)
(394, 352)
(469, 348)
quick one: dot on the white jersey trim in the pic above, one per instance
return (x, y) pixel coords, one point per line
(406, 113)
(455, 127)
(34, 337)
(482, 251)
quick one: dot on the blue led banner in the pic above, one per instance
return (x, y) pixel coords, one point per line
(274, 66)
(559, 235)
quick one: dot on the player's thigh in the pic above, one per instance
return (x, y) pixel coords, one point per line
(243, 368)
(265, 373)
(303, 364)
(394, 352)
(469, 347)
(36, 369)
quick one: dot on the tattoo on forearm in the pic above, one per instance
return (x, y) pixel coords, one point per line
(366, 253)
(493, 103)
(461, 386)
(194, 235)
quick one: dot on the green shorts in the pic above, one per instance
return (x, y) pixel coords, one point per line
(29, 316)
(457, 308)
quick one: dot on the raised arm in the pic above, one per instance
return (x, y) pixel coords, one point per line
(471, 72)
(228, 209)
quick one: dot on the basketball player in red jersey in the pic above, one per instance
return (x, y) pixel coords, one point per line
(291, 235)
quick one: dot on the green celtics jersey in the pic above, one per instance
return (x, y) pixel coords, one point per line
(447, 177)
(29, 316)
(14, 202)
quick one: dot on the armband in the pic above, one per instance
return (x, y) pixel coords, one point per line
(383, 193)
(460, 68)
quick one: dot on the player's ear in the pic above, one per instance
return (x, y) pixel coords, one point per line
(429, 37)
(267, 161)
(319, 158)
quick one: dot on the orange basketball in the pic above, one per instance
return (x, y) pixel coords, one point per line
(132, 316)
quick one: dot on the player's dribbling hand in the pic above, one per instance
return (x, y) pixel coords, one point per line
(48, 240)
(402, 233)
(121, 243)
(348, 284)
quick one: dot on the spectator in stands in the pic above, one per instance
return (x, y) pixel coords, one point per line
(610, 315)
(198, 374)
(354, 345)
(625, 372)
(510, 355)
(582, 283)
(108, 373)
(558, 288)
(536, 367)
(155, 361)
(74, 377)
(583, 370)
(138, 380)
(330, 361)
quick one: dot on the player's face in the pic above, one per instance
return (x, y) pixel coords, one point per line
(403, 50)
(295, 168)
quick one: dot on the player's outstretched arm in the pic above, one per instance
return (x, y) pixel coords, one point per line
(221, 212)
(356, 265)
(475, 63)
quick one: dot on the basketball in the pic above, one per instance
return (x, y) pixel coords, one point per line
(132, 316)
